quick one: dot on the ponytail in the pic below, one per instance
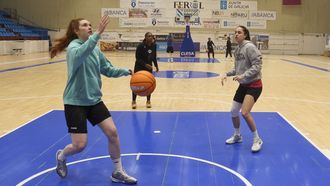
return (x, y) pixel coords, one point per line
(70, 35)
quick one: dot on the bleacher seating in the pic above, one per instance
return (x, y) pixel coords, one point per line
(10, 29)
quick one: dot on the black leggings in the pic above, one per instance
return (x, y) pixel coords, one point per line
(210, 51)
(134, 97)
(228, 51)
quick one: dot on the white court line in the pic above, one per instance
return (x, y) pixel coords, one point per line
(309, 140)
(139, 154)
(23, 61)
(296, 100)
(215, 100)
(30, 97)
(242, 178)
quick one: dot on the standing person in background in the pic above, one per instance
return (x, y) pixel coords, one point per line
(169, 48)
(210, 49)
(228, 47)
(247, 71)
(82, 94)
(145, 55)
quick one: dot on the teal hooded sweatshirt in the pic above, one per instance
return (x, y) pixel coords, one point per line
(85, 64)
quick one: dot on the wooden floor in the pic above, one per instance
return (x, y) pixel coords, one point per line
(300, 93)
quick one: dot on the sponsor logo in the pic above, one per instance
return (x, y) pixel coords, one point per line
(188, 5)
(263, 14)
(223, 5)
(154, 21)
(115, 13)
(133, 3)
(188, 53)
(156, 12)
(239, 15)
(137, 88)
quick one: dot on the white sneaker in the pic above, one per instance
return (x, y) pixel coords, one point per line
(133, 105)
(61, 168)
(257, 143)
(148, 104)
(123, 177)
(234, 139)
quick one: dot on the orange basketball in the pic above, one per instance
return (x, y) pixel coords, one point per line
(143, 83)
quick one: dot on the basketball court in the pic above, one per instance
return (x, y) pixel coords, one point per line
(166, 148)
(180, 141)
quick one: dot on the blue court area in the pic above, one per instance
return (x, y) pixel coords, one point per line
(187, 60)
(166, 148)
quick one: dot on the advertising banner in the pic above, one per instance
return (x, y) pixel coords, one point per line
(240, 5)
(256, 24)
(263, 15)
(114, 12)
(134, 22)
(137, 13)
(230, 14)
(162, 22)
(211, 23)
(231, 23)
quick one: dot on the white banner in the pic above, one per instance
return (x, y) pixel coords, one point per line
(162, 22)
(110, 36)
(156, 12)
(242, 5)
(132, 36)
(263, 15)
(231, 14)
(145, 4)
(231, 23)
(211, 23)
(137, 13)
(256, 24)
(134, 22)
(114, 12)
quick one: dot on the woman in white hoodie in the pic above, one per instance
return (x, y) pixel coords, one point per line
(247, 71)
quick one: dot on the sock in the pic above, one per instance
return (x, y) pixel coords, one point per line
(117, 164)
(255, 134)
(237, 132)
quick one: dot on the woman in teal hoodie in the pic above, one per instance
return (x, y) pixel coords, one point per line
(82, 94)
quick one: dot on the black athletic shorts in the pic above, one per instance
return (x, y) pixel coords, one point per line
(169, 49)
(76, 116)
(243, 90)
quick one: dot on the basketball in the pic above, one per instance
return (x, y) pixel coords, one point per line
(143, 83)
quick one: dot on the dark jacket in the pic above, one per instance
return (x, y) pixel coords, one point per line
(210, 45)
(228, 44)
(145, 55)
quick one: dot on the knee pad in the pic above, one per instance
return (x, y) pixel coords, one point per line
(236, 107)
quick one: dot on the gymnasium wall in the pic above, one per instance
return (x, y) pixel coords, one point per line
(309, 17)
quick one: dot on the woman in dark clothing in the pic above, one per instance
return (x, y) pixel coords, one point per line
(210, 49)
(145, 55)
(228, 48)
